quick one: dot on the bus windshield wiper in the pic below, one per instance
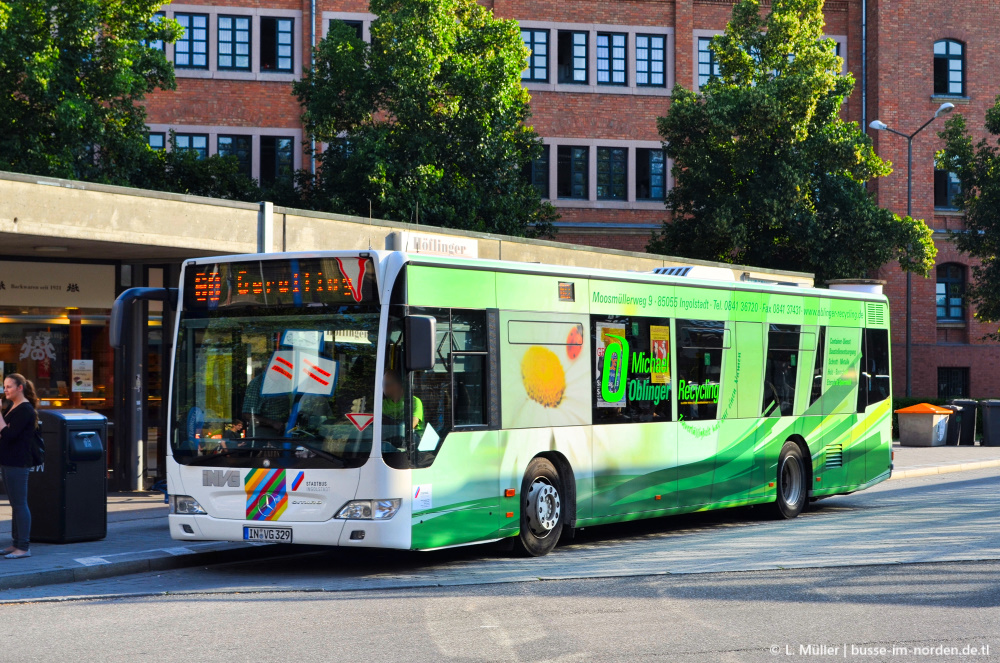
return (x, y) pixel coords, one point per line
(208, 459)
(326, 455)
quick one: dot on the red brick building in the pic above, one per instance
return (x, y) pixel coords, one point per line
(600, 74)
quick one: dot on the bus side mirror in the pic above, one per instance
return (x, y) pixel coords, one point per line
(421, 334)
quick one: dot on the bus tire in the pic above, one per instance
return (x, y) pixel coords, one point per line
(792, 491)
(542, 509)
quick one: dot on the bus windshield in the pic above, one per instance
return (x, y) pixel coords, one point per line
(290, 390)
(275, 363)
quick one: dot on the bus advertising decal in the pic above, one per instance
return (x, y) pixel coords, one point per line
(353, 269)
(292, 371)
(266, 496)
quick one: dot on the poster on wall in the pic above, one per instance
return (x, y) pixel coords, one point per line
(659, 352)
(602, 341)
(83, 375)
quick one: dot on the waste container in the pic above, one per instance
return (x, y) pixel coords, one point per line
(955, 421)
(69, 496)
(991, 423)
(923, 425)
(969, 408)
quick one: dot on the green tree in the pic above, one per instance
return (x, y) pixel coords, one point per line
(765, 170)
(978, 169)
(72, 76)
(426, 122)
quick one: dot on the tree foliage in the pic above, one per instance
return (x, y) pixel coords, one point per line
(72, 76)
(765, 170)
(977, 166)
(428, 119)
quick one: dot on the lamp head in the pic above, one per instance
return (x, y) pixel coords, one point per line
(878, 125)
(946, 107)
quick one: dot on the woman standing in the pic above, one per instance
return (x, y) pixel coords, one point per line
(17, 430)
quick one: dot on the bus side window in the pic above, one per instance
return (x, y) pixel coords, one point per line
(875, 383)
(699, 368)
(468, 367)
(780, 370)
(817, 383)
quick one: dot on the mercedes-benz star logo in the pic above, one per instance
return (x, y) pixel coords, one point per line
(267, 504)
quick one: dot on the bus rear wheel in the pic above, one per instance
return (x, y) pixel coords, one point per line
(792, 488)
(542, 510)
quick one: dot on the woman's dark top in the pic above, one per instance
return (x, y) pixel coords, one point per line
(16, 436)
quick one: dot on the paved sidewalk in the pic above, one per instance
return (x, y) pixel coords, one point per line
(138, 540)
(922, 461)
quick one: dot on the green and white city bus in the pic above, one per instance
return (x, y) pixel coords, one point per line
(394, 400)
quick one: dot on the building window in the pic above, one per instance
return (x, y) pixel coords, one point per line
(650, 60)
(946, 189)
(234, 42)
(650, 174)
(537, 172)
(611, 59)
(953, 382)
(357, 26)
(157, 140)
(275, 158)
(197, 143)
(572, 57)
(612, 173)
(276, 44)
(951, 292)
(156, 44)
(572, 172)
(191, 49)
(708, 66)
(239, 147)
(949, 67)
(537, 42)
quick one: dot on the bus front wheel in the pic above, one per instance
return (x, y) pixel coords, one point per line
(542, 509)
(792, 489)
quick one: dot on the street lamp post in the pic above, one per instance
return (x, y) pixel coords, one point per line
(882, 126)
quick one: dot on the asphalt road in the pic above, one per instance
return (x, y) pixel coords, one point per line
(912, 565)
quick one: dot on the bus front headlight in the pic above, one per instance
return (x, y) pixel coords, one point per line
(369, 509)
(185, 504)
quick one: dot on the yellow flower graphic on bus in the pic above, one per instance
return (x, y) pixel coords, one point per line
(551, 355)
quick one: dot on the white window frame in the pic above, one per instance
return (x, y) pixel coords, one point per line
(364, 18)
(703, 34)
(592, 87)
(255, 14)
(299, 155)
(591, 202)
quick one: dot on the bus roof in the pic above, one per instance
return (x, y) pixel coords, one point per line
(507, 266)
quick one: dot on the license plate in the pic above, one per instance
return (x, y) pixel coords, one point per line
(268, 534)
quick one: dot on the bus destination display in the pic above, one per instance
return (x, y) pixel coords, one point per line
(299, 282)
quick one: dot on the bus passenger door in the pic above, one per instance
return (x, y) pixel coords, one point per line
(700, 349)
(737, 466)
(844, 440)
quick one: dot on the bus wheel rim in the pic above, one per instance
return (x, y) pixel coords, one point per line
(791, 481)
(544, 507)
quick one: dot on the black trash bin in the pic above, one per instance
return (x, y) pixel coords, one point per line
(955, 420)
(69, 497)
(991, 423)
(968, 436)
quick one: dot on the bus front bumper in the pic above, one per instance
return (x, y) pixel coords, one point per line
(392, 533)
